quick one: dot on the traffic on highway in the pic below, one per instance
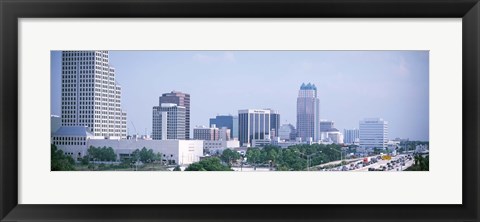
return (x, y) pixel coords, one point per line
(378, 163)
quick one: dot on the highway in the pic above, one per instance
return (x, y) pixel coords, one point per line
(396, 167)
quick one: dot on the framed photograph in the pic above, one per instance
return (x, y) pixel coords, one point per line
(226, 110)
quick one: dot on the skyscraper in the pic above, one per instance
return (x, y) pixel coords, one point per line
(229, 121)
(253, 124)
(351, 135)
(168, 122)
(308, 113)
(91, 96)
(373, 133)
(181, 99)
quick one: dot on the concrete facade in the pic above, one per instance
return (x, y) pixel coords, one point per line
(75, 143)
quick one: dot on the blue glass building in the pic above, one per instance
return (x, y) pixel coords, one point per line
(229, 121)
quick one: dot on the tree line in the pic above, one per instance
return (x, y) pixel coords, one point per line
(143, 155)
(294, 158)
(421, 163)
(59, 161)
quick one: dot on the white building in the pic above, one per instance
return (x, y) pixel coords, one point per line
(335, 137)
(277, 141)
(351, 136)
(224, 133)
(261, 142)
(287, 132)
(421, 148)
(168, 122)
(75, 141)
(392, 145)
(218, 146)
(373, 133)
(90, 94)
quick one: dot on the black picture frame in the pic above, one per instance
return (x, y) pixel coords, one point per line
(11, 11)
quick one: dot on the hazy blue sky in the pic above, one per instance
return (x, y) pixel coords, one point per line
(352, 85)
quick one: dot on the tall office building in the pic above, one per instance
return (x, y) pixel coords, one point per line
(351, 136)
(308, 113)
(91, 96)
(168, 122)
(181, 99)
(253, 124)
(274, 122)
(373, 133)
(229, 121)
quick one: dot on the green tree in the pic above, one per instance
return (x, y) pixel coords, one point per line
(109, 154)
(208, 164)
(421, 164)
(253, 155)
(146, 156)
(135, 156)
(195, 167)
(101, 154)
(60, 161)
(85, 160)
(228, 156)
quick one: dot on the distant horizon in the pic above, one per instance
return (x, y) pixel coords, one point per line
(352, 85)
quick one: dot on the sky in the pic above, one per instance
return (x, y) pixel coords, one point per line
(352, 85)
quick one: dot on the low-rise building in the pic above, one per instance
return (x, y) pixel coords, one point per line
(261, 142)
(75, 141)
(393, 145)
(218, 146)
(224, 134)
(206, 133)
(277, 141)
(335, 137)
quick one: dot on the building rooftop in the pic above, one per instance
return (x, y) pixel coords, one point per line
(168, 105)
(73, 131)
(308, 86)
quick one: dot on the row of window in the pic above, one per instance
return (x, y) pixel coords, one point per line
(110, 107)
(68, 143)
(67, 63)
(69, 138)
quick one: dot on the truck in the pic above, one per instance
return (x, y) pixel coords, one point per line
(366, 160)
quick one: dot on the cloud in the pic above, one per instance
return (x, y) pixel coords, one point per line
(224, 57)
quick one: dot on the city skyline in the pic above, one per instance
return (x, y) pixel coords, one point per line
(392, 85)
